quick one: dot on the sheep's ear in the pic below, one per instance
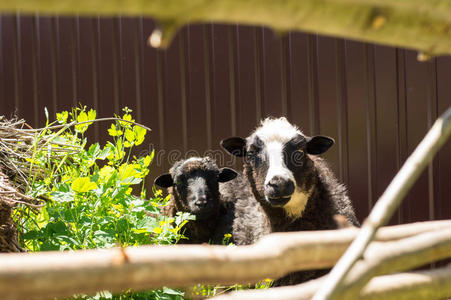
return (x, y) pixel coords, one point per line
(319, 144)
(235, 146)
(164, 180)
(226, 174)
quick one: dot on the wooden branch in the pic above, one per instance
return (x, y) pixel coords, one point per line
(398, 256)
(423, 25)
(427, 285)
(420, 285)
(388, 203)
(61, 274)
(381, 258)
(397, 232)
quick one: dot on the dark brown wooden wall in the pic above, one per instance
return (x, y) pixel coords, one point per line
(216, 81)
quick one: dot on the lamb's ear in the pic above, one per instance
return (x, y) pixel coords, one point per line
(164, 180)
(319, 144)
(226, 174)
(235, 146)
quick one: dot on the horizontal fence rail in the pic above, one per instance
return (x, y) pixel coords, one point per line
(61, 274)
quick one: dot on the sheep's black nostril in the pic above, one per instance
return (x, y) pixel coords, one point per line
(274, 187)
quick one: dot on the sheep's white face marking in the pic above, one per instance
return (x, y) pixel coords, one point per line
(275, 134)
(276, 162)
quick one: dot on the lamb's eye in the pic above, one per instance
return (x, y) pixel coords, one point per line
(254, 156)
(253, 151)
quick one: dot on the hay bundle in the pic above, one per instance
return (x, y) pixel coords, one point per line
(19, 147)
(9, 197)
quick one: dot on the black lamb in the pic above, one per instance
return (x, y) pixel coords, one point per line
(284, 187)
(194, 187)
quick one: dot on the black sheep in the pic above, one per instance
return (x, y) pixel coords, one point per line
(194, 187)
(284, 187)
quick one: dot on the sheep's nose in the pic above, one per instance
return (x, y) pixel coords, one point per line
(280, 187)
(200, 201)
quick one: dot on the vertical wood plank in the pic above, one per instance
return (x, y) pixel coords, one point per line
(342, 110)
(371, 124)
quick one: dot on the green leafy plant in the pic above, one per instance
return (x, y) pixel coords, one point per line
(90, 194)
(161, 294)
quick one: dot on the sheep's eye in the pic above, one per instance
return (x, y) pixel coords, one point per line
(297, 142)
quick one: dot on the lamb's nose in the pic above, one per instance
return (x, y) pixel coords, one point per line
(280, 186)
(201, 201)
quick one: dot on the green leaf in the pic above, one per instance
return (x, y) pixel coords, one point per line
(61, 139)
(67, 239)
(62, 196)
(56, 228)
(83, 184)
(46, 112)
(104, 153)
(128, 170)
(33, 234)
(172, 292)
(139, 230)
(132, 181)
(94, 150)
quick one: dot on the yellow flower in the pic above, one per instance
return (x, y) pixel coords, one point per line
(119, 207)
(157, 230)
(227, 235)
(127, 117)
